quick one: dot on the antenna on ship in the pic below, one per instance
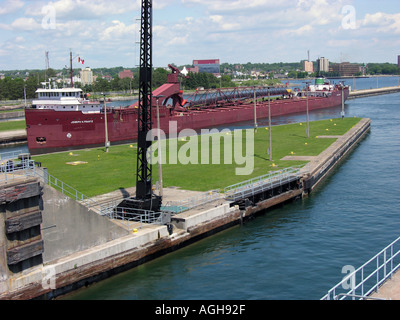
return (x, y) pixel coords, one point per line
(47, 65)
(72, 80)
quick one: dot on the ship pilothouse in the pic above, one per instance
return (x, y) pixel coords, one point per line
(65, 99)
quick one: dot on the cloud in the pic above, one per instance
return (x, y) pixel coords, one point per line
(85, 9)
(105, 31)
(11, 6)
(383, 22)
(25, 24)
(238, 5)
(117, 31)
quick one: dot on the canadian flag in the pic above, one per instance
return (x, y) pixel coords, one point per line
(81, 60)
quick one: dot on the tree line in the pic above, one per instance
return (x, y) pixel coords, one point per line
(13, 89)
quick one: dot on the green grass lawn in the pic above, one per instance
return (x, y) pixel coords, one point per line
(12, 125)
(105, 172)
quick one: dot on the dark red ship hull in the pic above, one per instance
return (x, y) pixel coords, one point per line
(50, 130)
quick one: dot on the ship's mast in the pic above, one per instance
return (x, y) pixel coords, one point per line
(72, 81)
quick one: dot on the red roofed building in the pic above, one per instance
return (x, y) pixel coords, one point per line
(208, 66)
(125, 74)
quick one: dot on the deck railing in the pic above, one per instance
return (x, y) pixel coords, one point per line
(265, 182)
(179, 206)
(362, 282)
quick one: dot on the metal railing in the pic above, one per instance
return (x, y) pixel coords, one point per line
(369, 277)
(9, 155)
(64, 188)
(259, 184)
(11, 167)
(179, 206)
(141, 216)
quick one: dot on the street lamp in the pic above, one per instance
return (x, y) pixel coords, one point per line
(107, 143)
(159, 146)
(269, 125)
(255, 111)
(25, 95)
(308, 124)
(342, 101)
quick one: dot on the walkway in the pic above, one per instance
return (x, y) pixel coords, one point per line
(390, 290)
(13, 135)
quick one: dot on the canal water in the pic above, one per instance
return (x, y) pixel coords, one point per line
(296, 251)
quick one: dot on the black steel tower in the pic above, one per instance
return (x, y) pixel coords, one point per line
(144, 172)
(145, 199)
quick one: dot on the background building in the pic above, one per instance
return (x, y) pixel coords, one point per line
(208, 66)
(125, 74)
(308, 66)
(323, 64)
(347, 69)
(86, 76)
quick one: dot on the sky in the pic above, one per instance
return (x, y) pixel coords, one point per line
(106, 33)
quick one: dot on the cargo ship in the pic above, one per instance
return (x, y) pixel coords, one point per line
(67, 119)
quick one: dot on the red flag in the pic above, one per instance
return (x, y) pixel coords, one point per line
(79, 59)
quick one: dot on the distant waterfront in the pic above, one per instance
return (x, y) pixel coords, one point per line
(354, 83)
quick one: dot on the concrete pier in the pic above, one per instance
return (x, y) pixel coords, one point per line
(390, 290)
(13, 137)
(372, 92)
(80, 246)
(12, 115)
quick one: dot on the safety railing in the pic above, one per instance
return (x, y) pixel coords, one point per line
(15, 164)
(64, 188)
(10, 155)
(259, 184)
(363, 281)
(147, 217)
(10, 169)
(192, 202)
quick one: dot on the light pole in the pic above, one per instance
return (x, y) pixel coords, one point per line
(107, 143)
(255, 111)
(269, 125)
(25, 95)
(159, 147)
(308, 124)
(342, 102)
